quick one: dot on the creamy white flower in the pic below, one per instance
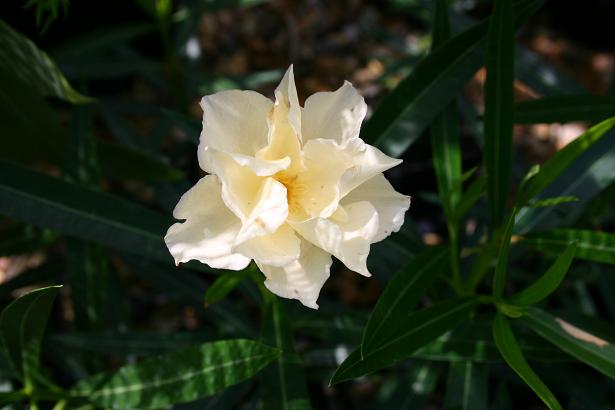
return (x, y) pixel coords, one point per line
(288, 187)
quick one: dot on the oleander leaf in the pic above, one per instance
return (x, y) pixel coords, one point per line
(591, 245)
(565, 108)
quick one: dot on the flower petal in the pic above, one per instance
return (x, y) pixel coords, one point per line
(209, 231)
(347, 238)
(365, 162)
(333, 115)
(390, 205)
(303, 278)
(277, 249)
(284, 138)
(229, 117)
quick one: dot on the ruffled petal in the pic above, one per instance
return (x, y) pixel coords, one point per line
(210, 229)
(390, 205)
(333, 115)
(277, 249)
(284, 119)
(303, 278)
(364, 163)
(234, 122)
(347, 235)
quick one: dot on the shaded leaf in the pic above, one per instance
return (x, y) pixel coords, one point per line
(433, 83)
(223, 285)
(548, 282)
(501, 268)
(565, 108)
(418, 329)
(34, 67)
(509, 348)
(22, 325)
(401, 295)
(553, 201)
(467, 386)
(499, 97)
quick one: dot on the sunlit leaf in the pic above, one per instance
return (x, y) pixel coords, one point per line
(591, 245)
(177, 377)
(586, 347)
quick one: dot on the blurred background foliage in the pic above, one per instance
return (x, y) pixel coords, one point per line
(99, 122)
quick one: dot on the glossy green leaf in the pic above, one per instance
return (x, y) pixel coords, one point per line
(586, 347)
(22, 325)
(177, 377)
(466, 387)
(49, 202)
(283, 384)
(548, 282)
(565, 108)
(553, 201)
(591, 245)
(417, 329)
(473, 342)
(559, 162)
(223, 285)
(445, 129)
(499, 97)
(509, 348)
(501, 268)
(400, 296)
(433, 83)
(34, 67)
(470, 197)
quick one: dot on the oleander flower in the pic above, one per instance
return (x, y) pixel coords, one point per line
(288, 187)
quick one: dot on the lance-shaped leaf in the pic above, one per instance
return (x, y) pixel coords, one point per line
(499, 107)
(401, 295)
(548, 282)
(223, 285)
(433, 83)
(35, 67)
(586, 347)
(565, 108)
(467, 386)
(177, 377)
(445, 129)
(417, 329)
(509, 348)
(559, 162)
(49, 202)
(501, 268)
(283, 382)
(22, 325)
(591, 245)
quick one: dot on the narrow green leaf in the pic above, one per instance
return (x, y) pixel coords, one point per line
(223, 285)
(473, 342)
(501, 268)
(33, 66)
(586, 347)
(445, 129)
(509, 348)
(553, 201)
(401, 295)
(564, 158)
(414, 388)
(565, 108)
(548, 282)
(338, 327)
(283, 382)
(433, 83)
(51, 203)
(591, 245)
(419, 328)
(499, 97)
(177, 377)
(469, 198)
(22, 325)
(127, 343)
(467, 386)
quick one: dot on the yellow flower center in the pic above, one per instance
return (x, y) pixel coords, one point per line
(294, 191)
